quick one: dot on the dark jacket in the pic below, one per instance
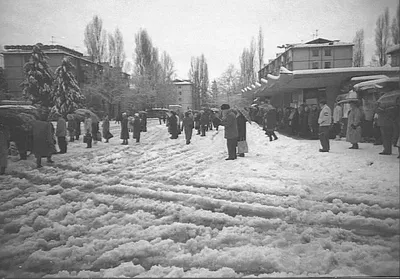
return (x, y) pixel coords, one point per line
(271, 120)
(106, 129)
(43, 141)
(71, 127)
(124, 129)
(137, 127)
(241, 126)
(173, 125)
(187, 127)
(204, 119)
(230, 124)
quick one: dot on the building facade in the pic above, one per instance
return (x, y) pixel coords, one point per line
(15, 57)
(316, 54)
(394, 53)
(184, 94)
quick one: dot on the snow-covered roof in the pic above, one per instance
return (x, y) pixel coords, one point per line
(392, 49)
(183, 83)
(333, 44)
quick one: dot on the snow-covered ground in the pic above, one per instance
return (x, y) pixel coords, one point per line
(164, 208)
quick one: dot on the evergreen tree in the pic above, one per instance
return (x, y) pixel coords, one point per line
(38, 83)
(66, 96)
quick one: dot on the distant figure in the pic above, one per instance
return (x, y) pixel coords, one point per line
(124, 129)
(61, 133)
(4, 140)
(137, 127)
(173, 125)
(231, 131)
(71, 127)
(271, 123)
(353, 134)
(313, 122)
(187, 127)
(88, 130)
(337, 119)
(204, 120)
(324, 121)
(241, 127)
(143, 121)
(77, 129)
(106, 128)
(43, 141)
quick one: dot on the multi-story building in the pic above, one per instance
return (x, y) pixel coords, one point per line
(15, 57)
(184, 96)
(316, 54)
(394, 53)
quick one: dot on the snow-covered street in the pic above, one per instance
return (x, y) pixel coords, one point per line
(164, 208)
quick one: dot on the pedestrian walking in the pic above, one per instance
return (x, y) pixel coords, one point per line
(124, 129)
(143, 121)
(204, 120)
(106, 129)
(71, 127)
(197, 118)
(43, 141)
(61, 134)
(4, 142)
(173, 125)
(353, 134)
(187, 127)
(137, 127)
(324, 122)
(231, 131)
(271, 122)
(77, 128)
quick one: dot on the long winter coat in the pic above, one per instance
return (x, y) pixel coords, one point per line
(354, 135)
(124, 128)
(77, 128)
(43, 141)
(88, 125)
(230, 124)
(271, 120)
(61, 130)
(187, 127)
(204, 120)
(4, 137)
(137, 127)
(241, 126)
(106, 129)
(173, 125)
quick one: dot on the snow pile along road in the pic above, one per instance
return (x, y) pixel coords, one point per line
(164, 208)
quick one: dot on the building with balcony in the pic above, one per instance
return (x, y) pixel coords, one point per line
(316, 54)
(184, 93)
(15, 57)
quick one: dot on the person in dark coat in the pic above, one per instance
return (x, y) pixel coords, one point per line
(231, 130)
(43, 141)
(137, 127)
(187, 127)
(124, 129)
(204, 119)
(71, 127)
(106, 128)
(271, 123)
(313, 122)
(241, 127)
(385, 121)
(143, 118)
(77, 129)
(173, 125)
(303, 122)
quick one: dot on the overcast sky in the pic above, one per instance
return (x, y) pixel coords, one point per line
(184, 28)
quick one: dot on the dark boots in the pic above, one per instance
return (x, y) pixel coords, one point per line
(354, 146)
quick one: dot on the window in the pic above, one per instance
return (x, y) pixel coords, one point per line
(315, 52)
(180, 92)
(180, 99)
(315, 65)
(327, 65)
(328, 52)
(179, 86)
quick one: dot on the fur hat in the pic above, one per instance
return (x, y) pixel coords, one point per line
(225, 106)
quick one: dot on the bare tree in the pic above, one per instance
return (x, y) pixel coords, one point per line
(260, 49)
(111, 49)
(247, 65)
(395, 27)
(198, 75)
(119, 49)
(167, 67)
(358, 50)
(382, 37)
(96, 39)
(229, 82)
